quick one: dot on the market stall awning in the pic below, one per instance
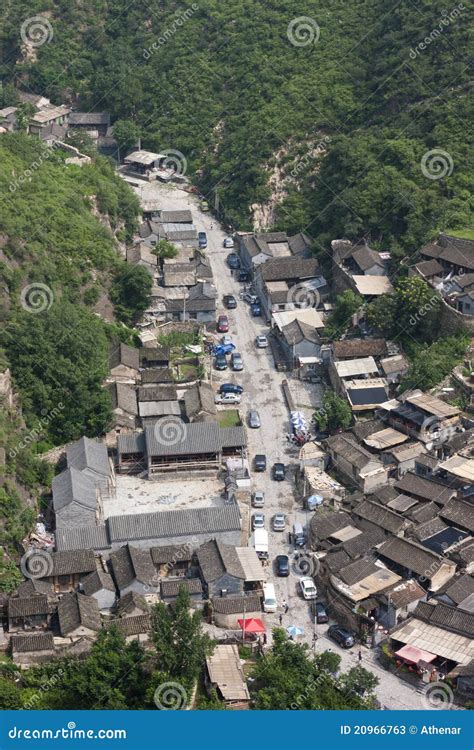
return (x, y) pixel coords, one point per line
(251, 625)
(414, 655)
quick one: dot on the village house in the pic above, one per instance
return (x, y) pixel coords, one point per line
(124, 408)
(410, 558)
(458, 470)
(133, 570)
(398, 602)
(422, 416)
(369, 514)
(425, 489)
(28, 613)
(141, 254)
(99, 584)
(255, 249)
(30, 649)
(429, 270)
(133, 628)
(143, 163)
(301, 343)
(227, 610)
(92, 459)
(281, 284)
(328, 529)
(172, 560)
(458, 593)
(95, 124)
(358, 380)
(132, 605)
(79, 616)
(401, 458)
(199, 404)
(68, 568)
(454, 254)
(49, 115)
(225, 569)
(75, 499)
(360, 466)
(394, 368)
(358, 348)
(170, 589)
(8, 119)
(124, 363)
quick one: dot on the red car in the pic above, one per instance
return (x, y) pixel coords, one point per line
(222, 323)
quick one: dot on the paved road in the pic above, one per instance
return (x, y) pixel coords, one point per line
(263, 392)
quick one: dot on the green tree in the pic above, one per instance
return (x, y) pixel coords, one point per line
(165, 249)
(410, 312)
(346, 305)
(126, 133)
(360, 681)
(335, 413)
(10, 695)
(130, 293)
(180, 643)
(430, 364)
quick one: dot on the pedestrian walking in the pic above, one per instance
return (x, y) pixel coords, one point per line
(286, 608)
(280, 617)
(212, 225)
(360, 656)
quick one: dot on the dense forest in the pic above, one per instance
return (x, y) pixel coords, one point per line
(317, 117)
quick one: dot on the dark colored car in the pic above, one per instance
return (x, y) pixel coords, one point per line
(282, 566)
(202, 240)
(243, 276)
(342, 636)
(279, 472)
(220, 362)
(255, 309)
(321, 614)
(233, 261)
(230, 388)
(260, 462)
(230, 302)
(222, 323)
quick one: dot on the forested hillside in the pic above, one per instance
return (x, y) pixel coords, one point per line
(60, 228)
(323, 131)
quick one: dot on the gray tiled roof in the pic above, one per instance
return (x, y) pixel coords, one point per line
(124, 396)
(459, 513)
(33, 586)
(31, 643)
(122, 354)
(411, 484)
(130, 563)
(89, 454)
(447, 617)
(131, 601)
(158, 375)
(173, 523)
(411, 555)
(97, 581)
(381, 516)
(323, 525)
(198, 437)
(72, 486)
(216, 559)
(358, 570)
(132, 442)
(73, 561)
(75, 610)
(199, 398)
(158, 393)
(170, 588)
(350, 348)
(171, 554)
(28, 606)
(460, 589)
(234, 605)
(281, 269)
(85, 537)
(133, 625)
(298, 331)
(88, 118)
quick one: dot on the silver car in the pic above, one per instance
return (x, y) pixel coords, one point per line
(258, 499)
(258, 521)
(254, 420)
(279, 522)
(236, 361)
(261, 342)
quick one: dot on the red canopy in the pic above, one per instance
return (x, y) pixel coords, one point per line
(414, 655)
(252, 625)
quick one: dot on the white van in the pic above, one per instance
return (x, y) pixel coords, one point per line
(269, 598)
(259, 541)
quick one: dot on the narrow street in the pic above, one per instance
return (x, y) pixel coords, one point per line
(263, 392)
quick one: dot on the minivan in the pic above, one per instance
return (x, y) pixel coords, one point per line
(202, 240)
(298, 535)
(269, 598)
(260, 462)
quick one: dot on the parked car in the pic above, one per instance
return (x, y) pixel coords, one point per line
(202, 240)
(256, 309)
(260, 462)
(233, 261)
(243, 276)
(227, 398)
(258, 521)
(279, 472)
(258, 499)
(342, 636)
(282, 566)
(321, 614)
(236, 361)
(204, 205)
(220, 362)
(261, 342)
(226, 339)
(279, 522)
(249, 297)
(230, 302)
(230, 388)
(229, 242)
(308, 589)
(222, 323)
(254, 420)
